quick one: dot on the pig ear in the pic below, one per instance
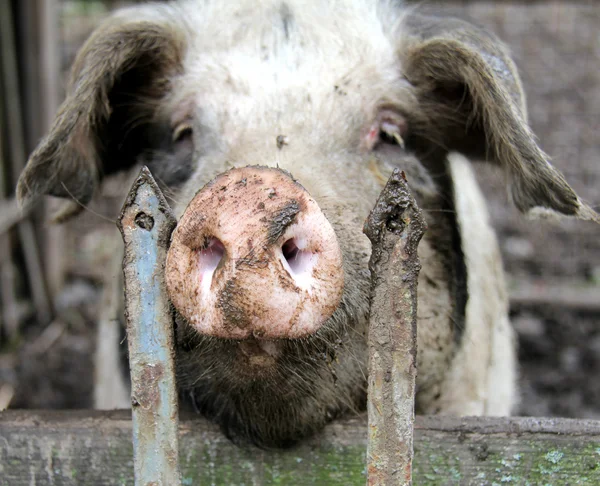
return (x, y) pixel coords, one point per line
(471, 101)
(117, 76)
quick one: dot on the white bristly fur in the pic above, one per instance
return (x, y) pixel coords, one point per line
(239, 72)
(482, 376)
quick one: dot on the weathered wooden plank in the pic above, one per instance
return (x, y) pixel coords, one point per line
(48, 86)
(94, 448)
(16, 146)
(568, 295)
(9, 323)
(11, 214)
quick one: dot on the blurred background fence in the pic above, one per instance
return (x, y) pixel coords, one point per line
(51, 276)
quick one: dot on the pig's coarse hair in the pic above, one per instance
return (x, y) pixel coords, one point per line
(454, 83)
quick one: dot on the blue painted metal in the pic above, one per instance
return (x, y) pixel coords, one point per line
(146, 224)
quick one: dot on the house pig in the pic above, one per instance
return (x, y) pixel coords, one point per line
(272, 126)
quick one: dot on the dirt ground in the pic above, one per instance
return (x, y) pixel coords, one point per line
(557, 48)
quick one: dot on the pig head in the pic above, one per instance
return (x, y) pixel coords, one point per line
(272, 126)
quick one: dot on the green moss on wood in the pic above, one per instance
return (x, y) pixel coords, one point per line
(245, 466)
(68, 450)
(494, 462)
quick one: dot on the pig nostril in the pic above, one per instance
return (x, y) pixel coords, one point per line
(299, 261)
(209, 258)
(290, 251)
(211, 255)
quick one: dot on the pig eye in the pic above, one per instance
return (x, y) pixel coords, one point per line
(389, 128)
(182, 132)
(391, 133)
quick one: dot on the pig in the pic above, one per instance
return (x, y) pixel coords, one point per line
(272, 126)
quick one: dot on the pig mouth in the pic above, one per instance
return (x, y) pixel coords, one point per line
(245, 364)
(259, 353)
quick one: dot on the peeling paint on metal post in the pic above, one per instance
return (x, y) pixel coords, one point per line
(395, 227)
(146, 224)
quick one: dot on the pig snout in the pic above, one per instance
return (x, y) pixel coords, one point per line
(254, 256)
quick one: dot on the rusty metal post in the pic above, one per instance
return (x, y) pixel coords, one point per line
(395, 227)
(146, 224)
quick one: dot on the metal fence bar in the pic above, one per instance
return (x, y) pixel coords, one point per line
(395, 227)
(146, 224)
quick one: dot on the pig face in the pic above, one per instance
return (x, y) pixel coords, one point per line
(272, 127)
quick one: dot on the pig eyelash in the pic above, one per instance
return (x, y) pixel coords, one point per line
(85, 207)
(390, 133)
(167, 191)
(389, 128)
(182, 132)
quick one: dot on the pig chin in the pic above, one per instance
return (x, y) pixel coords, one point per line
(254, 258)
(259, 354)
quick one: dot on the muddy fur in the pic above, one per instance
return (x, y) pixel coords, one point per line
(298, 85)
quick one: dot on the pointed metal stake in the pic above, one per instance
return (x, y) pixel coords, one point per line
(146, 224)
(395, 227)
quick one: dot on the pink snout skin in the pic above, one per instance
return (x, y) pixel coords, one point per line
(254, 256)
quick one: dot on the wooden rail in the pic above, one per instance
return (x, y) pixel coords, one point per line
(94, 448)
(572, 295)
